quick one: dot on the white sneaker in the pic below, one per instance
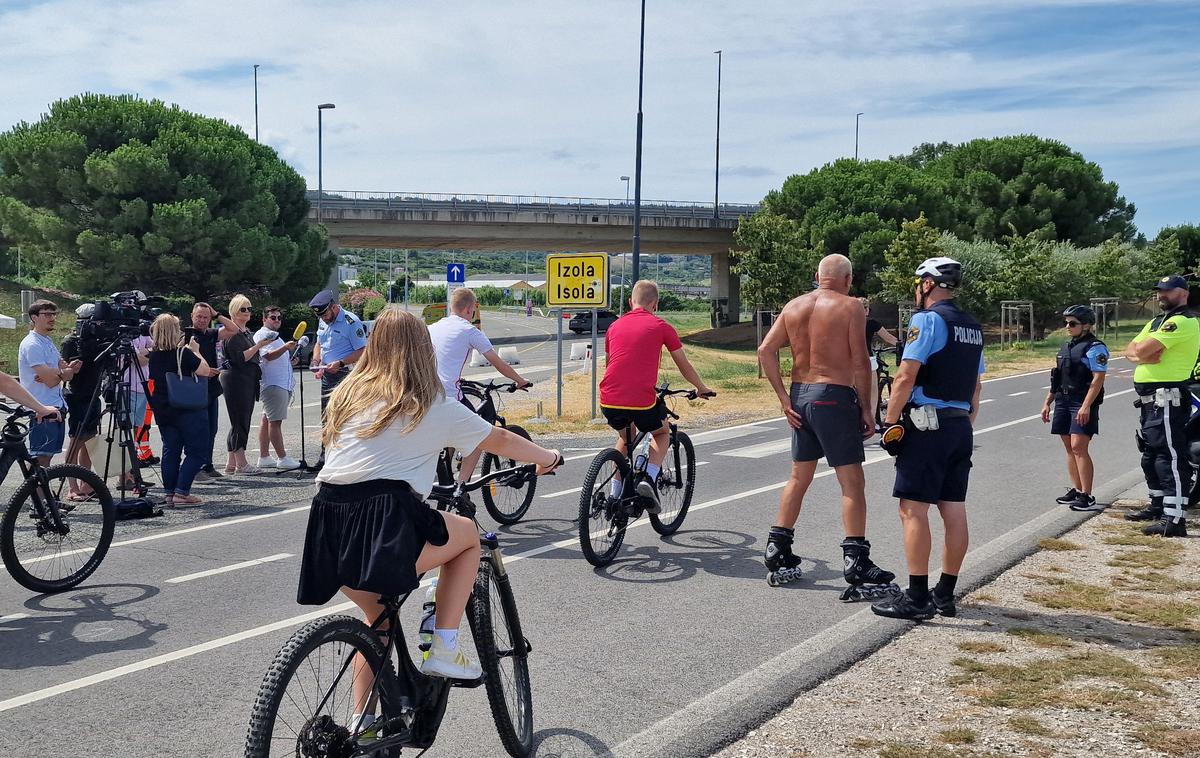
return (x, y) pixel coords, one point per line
(287, 464)
(451, 664)
(266, 462)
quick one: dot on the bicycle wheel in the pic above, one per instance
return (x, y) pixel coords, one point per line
(507, 503)
(885, 394)
(46, 557)
(306, 703)
(504, 657)
(601, 516)
(676, 482)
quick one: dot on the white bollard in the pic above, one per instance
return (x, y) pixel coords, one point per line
(510, 356)
(579, 351)
(477, 359)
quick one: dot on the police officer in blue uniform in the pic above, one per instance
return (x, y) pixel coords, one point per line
(935, 397)
(341, 339)
(1077, 390)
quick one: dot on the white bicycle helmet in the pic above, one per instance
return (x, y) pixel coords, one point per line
(946, 272)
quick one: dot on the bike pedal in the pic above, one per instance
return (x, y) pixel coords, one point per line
(468, 684)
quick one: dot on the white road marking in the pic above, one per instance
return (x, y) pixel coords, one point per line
(989, 400)
(761, 450)
(231, 567)
(14, 617)
(258, 631)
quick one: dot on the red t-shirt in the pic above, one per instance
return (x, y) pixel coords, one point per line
(633, 345)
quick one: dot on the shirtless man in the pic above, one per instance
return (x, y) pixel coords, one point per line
(830, 372)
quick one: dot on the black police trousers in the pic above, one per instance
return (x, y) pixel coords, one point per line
(1165, 453)
(329, 382)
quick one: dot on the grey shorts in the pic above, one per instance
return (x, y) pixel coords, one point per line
(275, 402)
(831, 420)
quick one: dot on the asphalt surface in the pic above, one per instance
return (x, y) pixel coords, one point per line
(134, 663)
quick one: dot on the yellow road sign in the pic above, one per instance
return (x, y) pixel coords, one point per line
(577, 280)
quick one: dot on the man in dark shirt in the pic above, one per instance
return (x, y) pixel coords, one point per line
(83, 404)
(207, 337)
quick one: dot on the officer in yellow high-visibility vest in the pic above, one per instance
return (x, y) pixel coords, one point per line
(1165, 354)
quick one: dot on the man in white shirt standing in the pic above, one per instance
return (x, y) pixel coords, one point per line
(453, 339)
(278, 382)
(42, 372)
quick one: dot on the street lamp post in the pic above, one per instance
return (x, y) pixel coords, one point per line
(856, 117)
(256, 102)
(717, 172)
(320, 156)
(637, 172)
(626, 180)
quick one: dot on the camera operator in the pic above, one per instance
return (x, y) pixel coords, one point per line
(207, 337)
(83, 403)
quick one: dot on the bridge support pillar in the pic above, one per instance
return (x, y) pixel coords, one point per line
(726, 289)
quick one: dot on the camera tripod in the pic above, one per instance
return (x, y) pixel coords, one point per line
(117, 362)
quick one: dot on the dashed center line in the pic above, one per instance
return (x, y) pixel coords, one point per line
(231, 567)
(1017, 394)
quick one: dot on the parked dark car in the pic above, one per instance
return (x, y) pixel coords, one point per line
(581, 323)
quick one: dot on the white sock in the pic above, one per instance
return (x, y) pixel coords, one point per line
(614, 488)
(449, 637)
(361, 721)
(652, 469)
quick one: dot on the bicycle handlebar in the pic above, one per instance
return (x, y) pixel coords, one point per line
(16, 413)
(493, 386)
(448, 492)
(688, 394)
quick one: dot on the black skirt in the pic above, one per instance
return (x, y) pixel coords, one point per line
(366, 536)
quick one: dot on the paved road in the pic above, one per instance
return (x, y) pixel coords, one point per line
(162, 667)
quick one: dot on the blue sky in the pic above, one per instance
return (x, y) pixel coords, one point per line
(540, 97)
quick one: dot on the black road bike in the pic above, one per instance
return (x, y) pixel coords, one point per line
(883, 381)
(48, 543)
(604, 517)
(507, 501)
(306, 707)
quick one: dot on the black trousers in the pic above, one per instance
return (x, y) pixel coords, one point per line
(240, 394)
(1165, 453)
(329, 383)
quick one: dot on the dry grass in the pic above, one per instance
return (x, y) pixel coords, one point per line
(1058, 545)
(1182, 661)
(959, 736)
(1156, 558)
(1158, 582)
(982, 647)
(1039, 638)
(912, 750)
(1165, 738)
(1030, 726)
(1049, 682)
(1164, 612)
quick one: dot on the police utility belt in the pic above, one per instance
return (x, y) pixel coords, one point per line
(1160, 398)
(925, 418)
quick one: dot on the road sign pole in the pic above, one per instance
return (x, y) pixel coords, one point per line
(594, 317)
(559, 317)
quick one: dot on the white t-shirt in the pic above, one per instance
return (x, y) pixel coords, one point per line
(409, 457)
(453, 337)
(39, 350)
(278, 372)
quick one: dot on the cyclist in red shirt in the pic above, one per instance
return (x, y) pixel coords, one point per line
(633, 348)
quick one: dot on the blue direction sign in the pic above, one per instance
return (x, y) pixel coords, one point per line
(456, 273)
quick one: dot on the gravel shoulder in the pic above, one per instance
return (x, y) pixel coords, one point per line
(1089, 647)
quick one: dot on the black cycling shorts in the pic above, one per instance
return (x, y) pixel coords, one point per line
(831, 419)
(646, 420)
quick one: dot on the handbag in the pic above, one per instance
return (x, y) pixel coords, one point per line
(185, 393)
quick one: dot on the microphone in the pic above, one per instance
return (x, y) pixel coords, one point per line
(301, 328)
(303, 342)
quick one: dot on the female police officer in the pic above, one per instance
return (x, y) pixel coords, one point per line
(937, 388)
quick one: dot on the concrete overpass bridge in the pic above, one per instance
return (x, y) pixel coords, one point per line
(517, 222)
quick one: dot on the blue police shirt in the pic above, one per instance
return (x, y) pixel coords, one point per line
(341, 338)
(929, 334)
(1096, 358)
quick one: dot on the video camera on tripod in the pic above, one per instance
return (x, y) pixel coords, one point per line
(124, 314)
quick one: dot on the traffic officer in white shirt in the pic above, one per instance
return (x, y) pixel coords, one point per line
(453, 339)
(341, 339)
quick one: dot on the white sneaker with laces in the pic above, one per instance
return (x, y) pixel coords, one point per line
(266, 462)
(452, 664)
(287, 464)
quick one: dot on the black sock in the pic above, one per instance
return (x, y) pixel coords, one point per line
(918, 587)
(945, 585)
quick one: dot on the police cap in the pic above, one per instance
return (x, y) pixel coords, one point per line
(322, 300)
(1171, 283)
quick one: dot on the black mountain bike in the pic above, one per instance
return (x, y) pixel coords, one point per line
(603, 517)
(506, 501)
(48, 543)
(305, 706)
(883, 380)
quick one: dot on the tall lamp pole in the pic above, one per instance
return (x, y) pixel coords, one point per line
(717, 172)
(320, 157)
(256, 102)
(626, 180)
(637, 171)
(856, 117)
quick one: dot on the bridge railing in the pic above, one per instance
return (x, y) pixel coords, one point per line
(469, 202)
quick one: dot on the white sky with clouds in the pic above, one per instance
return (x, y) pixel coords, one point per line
(540, 97)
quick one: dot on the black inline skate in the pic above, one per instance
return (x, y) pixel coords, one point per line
(783, 566)
(867, 581)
